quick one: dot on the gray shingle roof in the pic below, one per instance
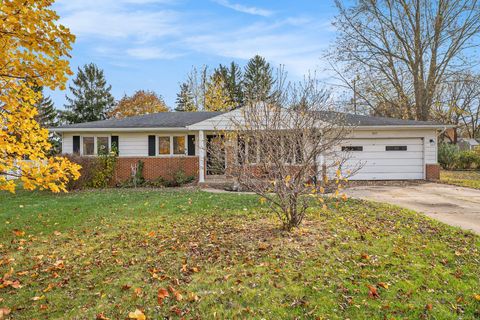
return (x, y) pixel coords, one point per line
(184, 119)
(154, 120)
(362, 120)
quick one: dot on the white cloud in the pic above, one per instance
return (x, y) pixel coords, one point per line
(245, 9)
(149, 53)
(123, 30)
(141, 26)
(299, 49)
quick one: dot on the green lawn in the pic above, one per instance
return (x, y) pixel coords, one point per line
(469, 179)
(107, 253)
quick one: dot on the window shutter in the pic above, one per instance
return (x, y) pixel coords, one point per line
(151, 146)
(191, 145)
(76, 144)
(114, 144)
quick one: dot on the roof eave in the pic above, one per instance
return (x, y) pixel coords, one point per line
(405, 126)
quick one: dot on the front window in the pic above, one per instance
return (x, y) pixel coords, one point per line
(102, 145)
(179, 145)
(164, 145)
(396, 148)
(88, 146)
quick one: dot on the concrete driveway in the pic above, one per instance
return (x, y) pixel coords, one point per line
(453, 205)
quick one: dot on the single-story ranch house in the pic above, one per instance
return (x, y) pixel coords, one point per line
(390, 149)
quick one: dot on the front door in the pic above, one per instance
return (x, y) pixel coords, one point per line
(215, 155)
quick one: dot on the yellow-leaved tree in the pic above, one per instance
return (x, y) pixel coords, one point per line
(216, 95)
(142, 102)
(33, 52)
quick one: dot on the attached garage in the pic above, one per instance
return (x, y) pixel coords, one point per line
(385, 159)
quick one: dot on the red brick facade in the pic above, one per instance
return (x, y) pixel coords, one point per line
(155, 167)
(432, 171)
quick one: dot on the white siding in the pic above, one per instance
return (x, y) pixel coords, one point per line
(67, 143)
(131, 144)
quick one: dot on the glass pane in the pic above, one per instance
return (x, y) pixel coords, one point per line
(88, 146)
(164, 145)
(179, 145)
(102, 145)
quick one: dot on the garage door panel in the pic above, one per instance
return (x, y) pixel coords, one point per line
(393, 142)
(384, 169)
(388, 162)
(381, 148)
(385, 155)
(387, 176)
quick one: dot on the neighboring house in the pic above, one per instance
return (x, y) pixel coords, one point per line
(389, 149)
(468, 144)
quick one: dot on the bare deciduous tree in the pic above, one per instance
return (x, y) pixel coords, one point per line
(458, 103)
(404, 49)
(275, 148)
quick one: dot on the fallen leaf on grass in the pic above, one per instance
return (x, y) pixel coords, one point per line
(192, 297)
(137, 314)
(4, 312)
(476, 297)
(101, 316)
(372, 292)
(36, 298)
(138, 292)
(49, 287)
(429, 307)
(162, 294)
(175, 293)
(262, 246)
(18, 233)
(151, 234)
(383, 285)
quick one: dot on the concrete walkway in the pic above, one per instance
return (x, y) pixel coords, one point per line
(453, 205)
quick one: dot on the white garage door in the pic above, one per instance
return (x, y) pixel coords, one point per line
(385, 159)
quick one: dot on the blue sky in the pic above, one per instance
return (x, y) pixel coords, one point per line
(153, 44)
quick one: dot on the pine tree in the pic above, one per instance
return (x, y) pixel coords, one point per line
(185, 101)
(91, 99)
(47, 117)
(258, 79)
(232, 76)
(47, 114)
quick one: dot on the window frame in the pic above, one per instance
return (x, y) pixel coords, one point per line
(95, 144)
(171, 154)
(352, 148)
(396, 148)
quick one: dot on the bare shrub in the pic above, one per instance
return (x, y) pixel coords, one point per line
(284, 148)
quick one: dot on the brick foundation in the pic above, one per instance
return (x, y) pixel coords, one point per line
(432, 171)
(155, 167)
